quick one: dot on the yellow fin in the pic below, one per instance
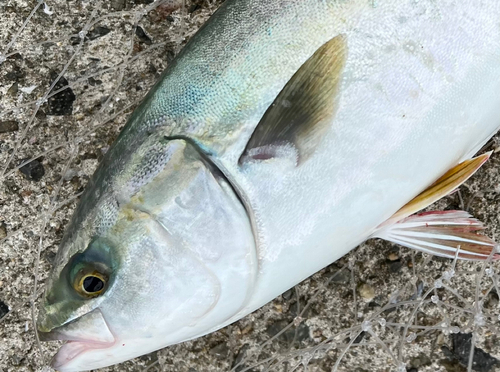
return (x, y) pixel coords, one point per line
(304, 109)
(449, 182)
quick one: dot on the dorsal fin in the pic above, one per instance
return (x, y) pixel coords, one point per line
(304, 108)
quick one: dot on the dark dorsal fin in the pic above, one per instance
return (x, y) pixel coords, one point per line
(304, 109)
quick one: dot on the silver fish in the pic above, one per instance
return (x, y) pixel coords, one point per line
(283, 135)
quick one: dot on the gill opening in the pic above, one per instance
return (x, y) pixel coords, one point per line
(218, 170)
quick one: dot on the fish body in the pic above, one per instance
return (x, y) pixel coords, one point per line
(186, 235)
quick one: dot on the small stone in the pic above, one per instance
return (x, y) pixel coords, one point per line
(461, 344)
(92, 81)
(61, 103)
(16, 360)
(143, 37)
(220, 351)
(194, 7)
(97, 32)
(366, 292)
(14, 88)
(300, 333)
(49, 256)
(393, 256)
(238, 364)
(4, 309)
(360, 337)
(11, 186)
(246, 330)
(288, 294)
(395, 266)
(491, 301)
(8, 126)
(3, 231)
(341, 276)
(118, 4)
(33, 171)
(421, 360)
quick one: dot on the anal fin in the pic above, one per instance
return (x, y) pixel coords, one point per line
(442, 233)
(445, 185)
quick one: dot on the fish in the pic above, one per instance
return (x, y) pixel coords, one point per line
(282, 136)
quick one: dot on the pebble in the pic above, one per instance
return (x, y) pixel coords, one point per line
(3, 230)
(366, 292)
(421, 360)
(288, 294)
(93, 34)
(8, 126)
(98, 32)
(118, 4)
(16, 360)
(342, 276)
(143, 37)
(360, 337)
(237, 366)
(220, 351)
(60, 104)
(393, 256)
(4, 309)
(14, 88)
(288, 336)
(461, 344)
(33, 171)
(395, 266)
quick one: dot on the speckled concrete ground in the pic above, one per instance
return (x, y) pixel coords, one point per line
(377, 309)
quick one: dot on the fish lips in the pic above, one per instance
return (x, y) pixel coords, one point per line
(89, 332)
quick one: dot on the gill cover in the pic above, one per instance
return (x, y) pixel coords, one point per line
(176, 257)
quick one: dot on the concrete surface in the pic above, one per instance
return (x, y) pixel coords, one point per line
(351, 316)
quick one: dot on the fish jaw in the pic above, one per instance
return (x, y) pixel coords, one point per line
(87, 333)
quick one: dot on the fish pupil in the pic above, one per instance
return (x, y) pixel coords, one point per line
(92, 284)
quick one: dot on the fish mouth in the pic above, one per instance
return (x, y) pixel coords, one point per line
(71, 349)
(89, 332)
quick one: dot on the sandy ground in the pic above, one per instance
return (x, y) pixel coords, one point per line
(376, 309)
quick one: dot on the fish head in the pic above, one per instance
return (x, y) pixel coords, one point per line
(165, 254)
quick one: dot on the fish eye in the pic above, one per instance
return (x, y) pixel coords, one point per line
(90, 284)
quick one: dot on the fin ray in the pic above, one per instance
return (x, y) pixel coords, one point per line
(442, 233)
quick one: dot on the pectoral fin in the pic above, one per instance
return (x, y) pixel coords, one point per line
(304, 108)
(442, 233)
